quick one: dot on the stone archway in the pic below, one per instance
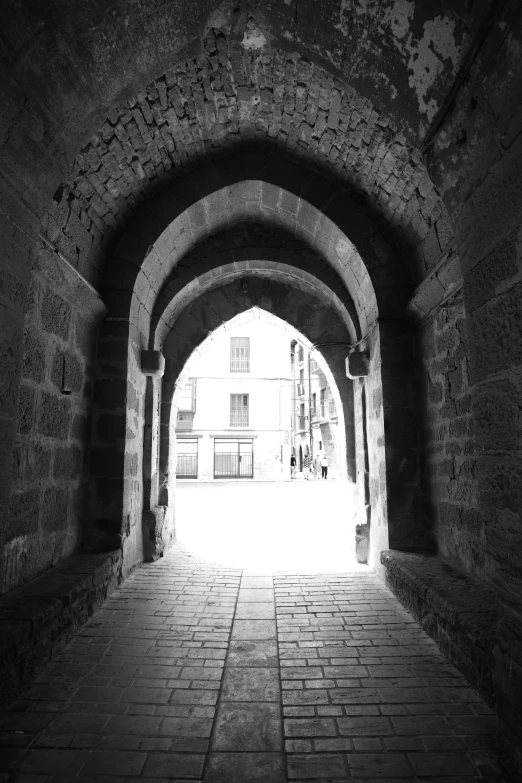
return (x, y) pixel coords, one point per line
(302, 308)
(143, 282)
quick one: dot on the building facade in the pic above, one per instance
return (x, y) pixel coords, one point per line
(234, 404)
(315, 430)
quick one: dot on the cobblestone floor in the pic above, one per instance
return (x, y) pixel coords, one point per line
(197, 672)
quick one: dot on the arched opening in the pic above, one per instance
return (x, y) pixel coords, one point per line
(240, 504)
(341, 308)
(239, 97)
(170, 281)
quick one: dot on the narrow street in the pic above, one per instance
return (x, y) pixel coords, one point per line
(226, 672)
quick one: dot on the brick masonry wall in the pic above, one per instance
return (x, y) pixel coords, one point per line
(450, 448)
(49, 464)
(224, 97)
(472, 360)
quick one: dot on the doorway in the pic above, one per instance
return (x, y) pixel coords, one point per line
(233, 458)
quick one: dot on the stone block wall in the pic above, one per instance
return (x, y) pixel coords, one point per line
(451, 466)
(114, 509)
(49, 461)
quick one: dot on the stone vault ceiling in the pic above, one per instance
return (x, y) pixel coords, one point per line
(226, 97)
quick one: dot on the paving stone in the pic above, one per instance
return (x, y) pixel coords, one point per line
(250, 684)
(174, 765)
(364, 727)
(247, 727)
(140, 692)
(253, 653)
(242, 767)
(442, 764)
(186, 727)
(256, 582)
(60, 762)
(255, 595)
(310, 727)
(379, 765)
(255, 611)
(310, 766)
(114, 762)
(254, 629)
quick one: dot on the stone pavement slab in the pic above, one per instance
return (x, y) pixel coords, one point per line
(366, 693)
(191, 671)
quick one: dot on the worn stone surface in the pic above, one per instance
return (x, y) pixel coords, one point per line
(141, 691)
(37, 620)
(459, 613)
(49, 465)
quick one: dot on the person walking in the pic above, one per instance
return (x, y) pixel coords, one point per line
(324, 467)
(306, 467)
(292, 466)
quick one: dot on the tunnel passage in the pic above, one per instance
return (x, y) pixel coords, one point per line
(164, 237)
(428, 146)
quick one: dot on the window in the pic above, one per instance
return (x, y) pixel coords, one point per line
(301, 424)
(187, 400)
(239, 410)
(300, 356)
(240, 354)
(314, 404)
(323, 400)
(300, 384)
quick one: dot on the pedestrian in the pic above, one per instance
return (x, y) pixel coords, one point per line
(306, 467)
(324, 467)
(292, 466)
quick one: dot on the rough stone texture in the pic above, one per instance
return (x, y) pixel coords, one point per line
(365, 693)
(39, 619)
(222, 97)
(451, 465)
(477, 629)
(177, 677)
(461, 614)
(48, 469)
(145, 98)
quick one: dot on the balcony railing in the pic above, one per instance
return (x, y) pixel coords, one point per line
(239, 418)
(184, 420)
(187, 466)
(239, 364)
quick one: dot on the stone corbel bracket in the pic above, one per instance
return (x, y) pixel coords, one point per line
(438, 286)
(152, 364)
(358, 364)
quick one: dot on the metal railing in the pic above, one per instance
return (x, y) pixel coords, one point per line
(239, 418)
(186, 466)
(184, 420)
(233, 465)
(239, 364)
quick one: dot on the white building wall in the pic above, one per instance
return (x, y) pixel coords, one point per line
(268, 385)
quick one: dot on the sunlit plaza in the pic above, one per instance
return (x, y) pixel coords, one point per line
(301, 526)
